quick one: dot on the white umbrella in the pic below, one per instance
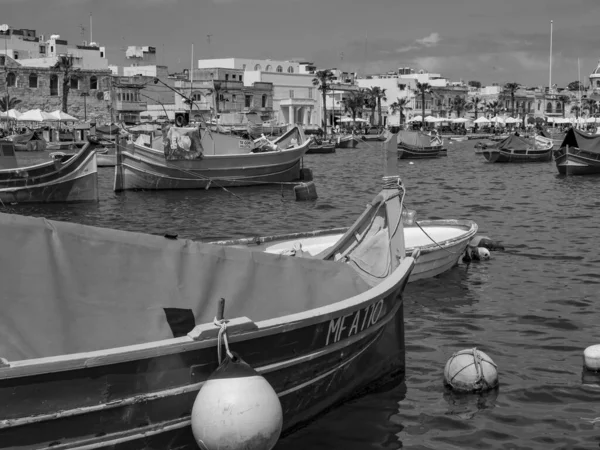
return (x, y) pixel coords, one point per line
(497, 120)
(460, 120)
(63, 116)
(349, 119)
(590, 120)
(431, 119)
(415, 119)
(11, 114)
(511, 120)
(36, 115)
(481, 120)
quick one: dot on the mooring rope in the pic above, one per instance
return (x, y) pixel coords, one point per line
(432, 240)
(222, 324)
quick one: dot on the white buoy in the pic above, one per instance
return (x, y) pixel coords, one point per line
(236, 408)
(470, 370)
(591, 357)
(483, 253)
(411, 162)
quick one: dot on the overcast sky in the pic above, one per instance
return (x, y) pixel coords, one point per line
(485, 40)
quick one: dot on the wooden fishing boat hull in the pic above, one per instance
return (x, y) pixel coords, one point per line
(323, 148)
(494, 155)
(451, 239)
(410, 152)
(346, 142)
(374, 137)
(145, 168)
(74, 178)
(106, 157)
(574, 161)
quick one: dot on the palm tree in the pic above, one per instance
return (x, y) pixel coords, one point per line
(354, 103)
(474, 105)
(590, 105)
(576, 109)
(379, 94)
(7, 103)
(399, 105)
(423, 88)
(512, 88)
(459, 104)
(494, 107)
(65, 63)
(323, 79)
(371, 101)
(564, 99)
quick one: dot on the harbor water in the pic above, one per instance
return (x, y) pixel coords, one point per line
(533, 308)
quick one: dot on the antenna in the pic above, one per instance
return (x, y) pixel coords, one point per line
(365, 63)
(550, 74)
(91, 37)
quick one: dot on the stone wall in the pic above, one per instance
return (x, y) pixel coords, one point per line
(41, 97)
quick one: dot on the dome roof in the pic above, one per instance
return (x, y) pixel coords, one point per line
(597, 70)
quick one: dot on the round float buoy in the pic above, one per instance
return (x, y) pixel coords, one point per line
(411, 162)
(483, 253)
(591, 357)
(236, 408)
(306, 191)
(470, 370)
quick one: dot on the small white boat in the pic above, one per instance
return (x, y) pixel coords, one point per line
(441, 243)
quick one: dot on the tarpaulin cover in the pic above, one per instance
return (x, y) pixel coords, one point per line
(416, 139)
(513, 142)
(582, 140)
(108, 129)
(182, 143)
(24, 138)
(69, 288)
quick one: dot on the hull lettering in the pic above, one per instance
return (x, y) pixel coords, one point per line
(346, 326)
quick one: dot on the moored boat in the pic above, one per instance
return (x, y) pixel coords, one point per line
(85, 370)
(346, 141)
(67, 178)
(319, 146)
(418, 145)
(441, 244)
(184, 160)
(518, 149)
(579, 153)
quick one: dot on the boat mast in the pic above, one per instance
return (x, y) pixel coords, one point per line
(91, 35)
(191, 82)
(550, 68)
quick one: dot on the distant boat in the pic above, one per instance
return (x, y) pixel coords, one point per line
(319, 146)
(451, 238)
(32, 141)
(419, 145)
(213, 160)
(579, 153)
(67, 178)
(374, 134)
(518, 149)
(116, 360)
(346, 141)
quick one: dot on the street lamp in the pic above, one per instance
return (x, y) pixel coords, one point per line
(84, 95)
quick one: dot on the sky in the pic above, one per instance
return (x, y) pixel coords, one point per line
(492, 41)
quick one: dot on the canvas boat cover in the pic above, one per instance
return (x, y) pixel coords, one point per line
(582, 140)
(182, 143)
(513, 142)
(418, 139)
(69, 288)
(108, 129)
(24, 138)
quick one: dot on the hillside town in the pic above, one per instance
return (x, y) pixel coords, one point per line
(47, 72)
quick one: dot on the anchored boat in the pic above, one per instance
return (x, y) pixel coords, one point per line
(518, 149)
(67, 178)
(185, 160)
(91, 367)
(418, 145)
(579, 153)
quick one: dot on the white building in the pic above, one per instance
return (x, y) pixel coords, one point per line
(295, 98)
(31, 50)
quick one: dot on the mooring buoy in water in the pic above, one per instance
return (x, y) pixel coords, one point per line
(306, 191)
(470, 370)
(591, 357)
(476, 254)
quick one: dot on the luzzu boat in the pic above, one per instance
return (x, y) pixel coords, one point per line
(89, 367)
(418, 145)
(518, 149)
(67, 178)
(185, 160)
(579, 153)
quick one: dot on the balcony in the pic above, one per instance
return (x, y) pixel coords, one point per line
(130, 106)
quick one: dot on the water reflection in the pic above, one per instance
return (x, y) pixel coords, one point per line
(468, 405)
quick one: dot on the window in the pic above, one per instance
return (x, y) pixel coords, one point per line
(597, 82)
(291, 93)
(233, 98)
(241, 78)
(33, 80)
(233, 76)
(74, 83)
(16, 55)
(243, 66)
(248, 101)
(558, 107)
(290, 69)
(93, 82)
(226, 77)
(118, 96)
(539, 105)
(101, 54)
(2, 60)
(53, 85)
(257, 67)
(264, 101)
(279, 69)
(11, 79)
(51, 49)
(42, 49)
(269, 68)
(197, 96)
(549, 107)
(310, 92)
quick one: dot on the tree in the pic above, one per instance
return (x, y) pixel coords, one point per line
(65, 64)
(423, 88)
(399, 105)
(371, 101)
(576, 109)
(458, 104)
(7, 103)
(323, 79)
(379, 94)
(474, 104)
(590, 105)
(494, 107)
(475, 84)
(575, 86)
(564, 99)
(354, 103)
(511, 88)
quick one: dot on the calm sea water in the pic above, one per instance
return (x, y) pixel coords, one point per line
(533, 308)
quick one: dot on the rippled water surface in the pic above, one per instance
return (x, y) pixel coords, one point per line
(533, 308)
